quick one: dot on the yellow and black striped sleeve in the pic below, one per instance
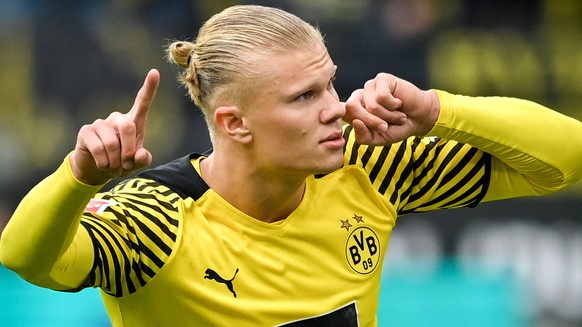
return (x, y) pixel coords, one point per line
(134, 236)
(534, 150)
(483, 149)
(422, 174)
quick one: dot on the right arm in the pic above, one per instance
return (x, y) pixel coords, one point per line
(44, 230)
(42, 242)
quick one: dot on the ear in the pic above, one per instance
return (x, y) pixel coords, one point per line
(231, 121)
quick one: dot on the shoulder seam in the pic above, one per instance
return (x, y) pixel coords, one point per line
(179, 176)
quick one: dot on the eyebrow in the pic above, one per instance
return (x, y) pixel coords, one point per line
(312, 84)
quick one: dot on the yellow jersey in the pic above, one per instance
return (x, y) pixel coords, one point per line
(169, 251)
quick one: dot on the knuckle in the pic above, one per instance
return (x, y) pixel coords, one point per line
(85, 129)
(356, 96)
(101, 164)
(128, 153)
(114, 115)
(119, 120)
(126, 125)
(98, 122)
(382, 97)
(383, 75)
(104, 148)
(374, 107)
(113, 167)
(111, 146)
(98, 150)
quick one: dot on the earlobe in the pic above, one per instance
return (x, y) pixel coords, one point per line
(231, 121)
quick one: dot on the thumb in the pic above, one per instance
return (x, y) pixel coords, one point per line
(363, 134)
(142, 158)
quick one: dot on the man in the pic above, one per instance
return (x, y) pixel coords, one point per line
(287, 220)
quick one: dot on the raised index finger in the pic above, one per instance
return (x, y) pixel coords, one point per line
(145, 98)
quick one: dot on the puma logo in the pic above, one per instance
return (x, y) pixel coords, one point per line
(211, 274)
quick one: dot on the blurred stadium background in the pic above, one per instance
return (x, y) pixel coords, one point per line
(516, 263)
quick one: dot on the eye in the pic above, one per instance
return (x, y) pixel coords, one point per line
(330, 83)
(305, 96)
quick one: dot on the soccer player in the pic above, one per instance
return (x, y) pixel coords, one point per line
(287, 220)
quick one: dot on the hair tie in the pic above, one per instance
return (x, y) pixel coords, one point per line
(189, 58)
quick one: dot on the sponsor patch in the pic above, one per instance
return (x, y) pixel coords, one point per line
(99, 205)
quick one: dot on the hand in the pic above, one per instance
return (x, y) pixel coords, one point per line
(389, 109)
(114, 147)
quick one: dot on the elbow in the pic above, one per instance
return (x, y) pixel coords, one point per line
(14, 259)
(573, 174)
(25, 269)
(33, 270)
(8, 258)
(549, 186)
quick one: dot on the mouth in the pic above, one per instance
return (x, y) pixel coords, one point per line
(334, 140)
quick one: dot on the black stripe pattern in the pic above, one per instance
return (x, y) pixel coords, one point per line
(133, 238)
(423, 174)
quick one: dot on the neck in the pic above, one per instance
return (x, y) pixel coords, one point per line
(268, 197)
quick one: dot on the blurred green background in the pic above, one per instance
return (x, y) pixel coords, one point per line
(515, 263)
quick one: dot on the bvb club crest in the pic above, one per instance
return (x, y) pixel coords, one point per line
(362, 248)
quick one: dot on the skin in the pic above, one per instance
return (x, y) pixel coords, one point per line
(290, 129)
(389, 109)
(114, 147)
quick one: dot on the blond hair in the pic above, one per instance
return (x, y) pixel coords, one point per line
(222, 64)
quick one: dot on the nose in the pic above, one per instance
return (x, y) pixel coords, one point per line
(332, 108)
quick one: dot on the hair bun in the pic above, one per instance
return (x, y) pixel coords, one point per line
(180, 52)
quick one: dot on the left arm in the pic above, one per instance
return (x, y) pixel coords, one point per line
(535, 150)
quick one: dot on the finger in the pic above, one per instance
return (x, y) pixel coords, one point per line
(127, 138)
(110, 144)
(142, 158)
(144, 99)
(355, 110)
(378, 100)
(88, 143)
(385, 89)
(126, 133)
(101, 141)
(363, 134)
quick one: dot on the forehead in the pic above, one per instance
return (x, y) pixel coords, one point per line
(297, 67)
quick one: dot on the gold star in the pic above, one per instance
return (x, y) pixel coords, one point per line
(359, 219)
(346, 224)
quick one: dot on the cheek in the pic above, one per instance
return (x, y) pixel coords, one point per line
(285, 136)
(296, 128)
(290, 129)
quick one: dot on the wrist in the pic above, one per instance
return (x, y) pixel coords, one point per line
(432, 112)
(95, 179)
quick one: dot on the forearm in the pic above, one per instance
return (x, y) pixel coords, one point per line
(535, 150)
(44, 226)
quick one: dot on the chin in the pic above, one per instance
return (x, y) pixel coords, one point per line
(331, 166)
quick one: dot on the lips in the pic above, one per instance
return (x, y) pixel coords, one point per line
(335, 140)
(332, 137)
